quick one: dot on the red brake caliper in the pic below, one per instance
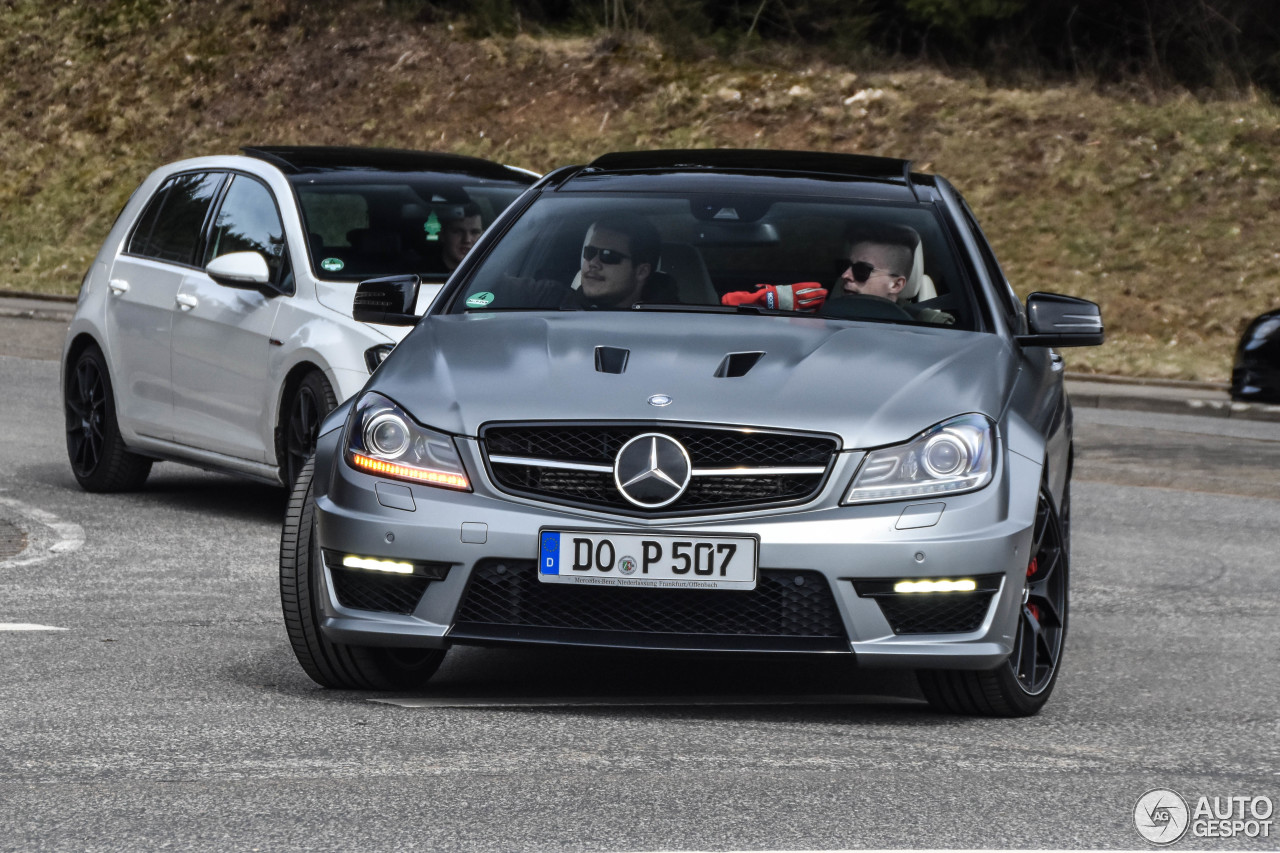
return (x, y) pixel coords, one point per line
(1032, 606)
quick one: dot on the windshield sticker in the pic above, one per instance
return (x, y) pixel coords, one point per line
(479, 300)
(432, 227)
(332, 265)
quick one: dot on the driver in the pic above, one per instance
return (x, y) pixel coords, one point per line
(617, 268)
(619, 256)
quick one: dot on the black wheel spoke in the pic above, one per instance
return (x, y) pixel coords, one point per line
(1026, 652)
(302, 425)
(1042, 620)
(1050, 616)
(310, 402)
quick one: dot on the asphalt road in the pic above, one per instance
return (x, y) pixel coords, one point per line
(168, 712)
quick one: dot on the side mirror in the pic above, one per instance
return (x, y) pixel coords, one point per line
(1061, 321)
(387, 301)
(241, 270)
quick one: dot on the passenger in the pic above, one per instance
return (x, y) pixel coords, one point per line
(879, 264)
(459, 233)
(874, 268)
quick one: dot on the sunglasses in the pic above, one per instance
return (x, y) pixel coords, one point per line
(608, 257)
(861, 269)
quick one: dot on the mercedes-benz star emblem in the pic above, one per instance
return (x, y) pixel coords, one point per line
(652, 470)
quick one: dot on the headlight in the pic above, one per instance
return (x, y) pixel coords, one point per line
(955, 456)
(383, 440)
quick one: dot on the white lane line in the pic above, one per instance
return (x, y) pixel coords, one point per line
(634, 701)
(48, 535)
(27, 626)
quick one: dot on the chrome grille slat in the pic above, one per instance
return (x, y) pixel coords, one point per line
(732, 468)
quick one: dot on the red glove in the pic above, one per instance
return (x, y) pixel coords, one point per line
(802, 296)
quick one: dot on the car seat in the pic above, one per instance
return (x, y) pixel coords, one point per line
(684, 264)
(919, 287)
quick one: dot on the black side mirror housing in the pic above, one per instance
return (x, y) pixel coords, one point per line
(1055, 320)
(387, 301)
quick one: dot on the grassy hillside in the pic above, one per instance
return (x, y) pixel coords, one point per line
(1161, 207)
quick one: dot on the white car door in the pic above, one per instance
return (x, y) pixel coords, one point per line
(141, 302)
(222, 390)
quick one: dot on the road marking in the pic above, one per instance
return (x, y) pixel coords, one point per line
(47, 534)
(634, 701)
(27, 626)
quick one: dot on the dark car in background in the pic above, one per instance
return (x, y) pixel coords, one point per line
(655, 409)
(1255, 376)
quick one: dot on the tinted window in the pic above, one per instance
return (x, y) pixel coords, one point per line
(180, 217)
(388, 223)
(142, 231)
(248, 221)
(719, 255)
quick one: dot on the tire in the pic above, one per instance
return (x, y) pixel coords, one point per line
(1021, 686)
(312, 399)
(332, 664)
(97, 453)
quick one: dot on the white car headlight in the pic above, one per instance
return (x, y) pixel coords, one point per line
(385, 441)
(955, 456)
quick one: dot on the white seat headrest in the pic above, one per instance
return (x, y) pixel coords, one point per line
(919, 286)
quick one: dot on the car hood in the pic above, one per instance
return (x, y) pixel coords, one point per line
(871, 384)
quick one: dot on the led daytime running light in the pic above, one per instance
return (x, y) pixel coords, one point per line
(935, 586)
(350, 561)
(422, 475)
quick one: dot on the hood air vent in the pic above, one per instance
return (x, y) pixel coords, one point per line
(611, 359)
(737, 364)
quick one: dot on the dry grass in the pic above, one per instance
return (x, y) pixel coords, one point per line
(1161, 207)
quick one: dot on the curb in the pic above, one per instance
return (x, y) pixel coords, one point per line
(36, 314)
(1212, 406)
(37, 306)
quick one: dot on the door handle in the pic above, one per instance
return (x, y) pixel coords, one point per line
(1056, 361)
(186, 301)
(118, 286)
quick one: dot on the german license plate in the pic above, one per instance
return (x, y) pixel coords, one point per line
(596, 558)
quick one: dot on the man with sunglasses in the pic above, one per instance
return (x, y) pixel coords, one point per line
(619, 256)
(617, 268)
(874, 269)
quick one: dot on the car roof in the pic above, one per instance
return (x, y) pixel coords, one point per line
(748, 160)
(708, 169)
(314, 159)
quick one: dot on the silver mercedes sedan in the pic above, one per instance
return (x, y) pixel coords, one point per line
(727, 402)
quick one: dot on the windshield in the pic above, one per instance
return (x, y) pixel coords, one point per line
(362, 227)
(850, 259)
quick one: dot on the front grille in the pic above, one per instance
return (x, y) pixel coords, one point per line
(708, 448)
(361, 590)
(932, 613)
(786, 605)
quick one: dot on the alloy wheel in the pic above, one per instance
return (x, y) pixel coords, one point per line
(86, 417)
(304, 424)
(1041, 622)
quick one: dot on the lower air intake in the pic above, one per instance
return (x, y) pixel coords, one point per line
(361, 590)
(788, 611)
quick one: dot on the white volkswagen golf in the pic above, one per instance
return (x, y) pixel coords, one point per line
(214, 327)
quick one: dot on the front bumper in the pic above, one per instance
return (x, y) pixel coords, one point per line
(473, 535)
